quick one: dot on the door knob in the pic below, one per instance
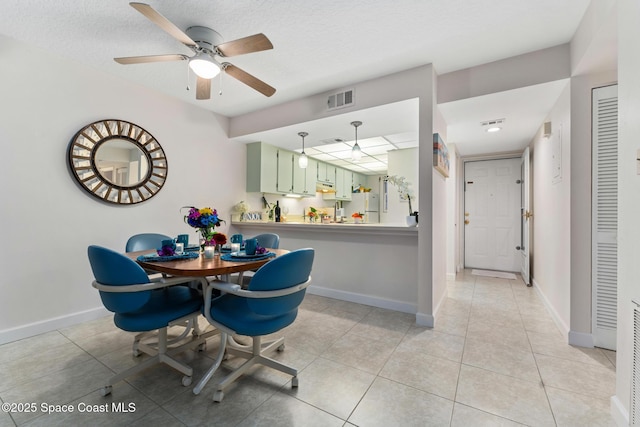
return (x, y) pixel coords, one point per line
(466, 222)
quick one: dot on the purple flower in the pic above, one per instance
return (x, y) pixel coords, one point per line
(166, 250)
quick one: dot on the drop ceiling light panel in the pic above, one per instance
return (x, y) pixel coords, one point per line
(330, 148)
(375, 151)
(371, 142)
(402, 137)
(323, 156)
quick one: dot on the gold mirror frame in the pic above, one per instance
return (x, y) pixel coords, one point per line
(82, 162)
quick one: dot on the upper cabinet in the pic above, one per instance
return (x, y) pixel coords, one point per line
(262, 168)
(343, 182)
(304, 180)
(285, 172)
(273, 170)
(326, 173)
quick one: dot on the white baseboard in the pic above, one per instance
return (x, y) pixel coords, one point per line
(404, 307)
(581, 339)
(37, 328)
(425, 320)
(619, 413)
(564, 328)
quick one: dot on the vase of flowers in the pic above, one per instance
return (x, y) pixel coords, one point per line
(357, 217)
(242, 208)
(205, 220)
(313, 214)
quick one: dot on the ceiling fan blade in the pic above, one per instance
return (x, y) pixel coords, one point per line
(248, 79)
(163, 23)
(249, 44)
(203, 88)
(150, 58)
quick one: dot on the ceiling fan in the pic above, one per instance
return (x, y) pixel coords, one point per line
(207, 45)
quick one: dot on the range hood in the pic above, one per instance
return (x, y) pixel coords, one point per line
(325, 187)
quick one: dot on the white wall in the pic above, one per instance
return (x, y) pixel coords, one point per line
(551, 212)
(628, 199)
(401, 163)
(453, 211)
(48, 221)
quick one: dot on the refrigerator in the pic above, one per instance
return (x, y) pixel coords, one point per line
(368, 204)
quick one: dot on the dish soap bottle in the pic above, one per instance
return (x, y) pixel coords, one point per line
(277, 211)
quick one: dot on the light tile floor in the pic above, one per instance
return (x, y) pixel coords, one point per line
(495, 358)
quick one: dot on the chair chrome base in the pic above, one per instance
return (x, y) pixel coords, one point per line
(255, 354)
(162, 352)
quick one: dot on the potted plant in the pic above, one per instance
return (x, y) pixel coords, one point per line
(403, 188)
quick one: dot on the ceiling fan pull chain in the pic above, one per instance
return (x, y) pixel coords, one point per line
(188, 77)
(220, 91)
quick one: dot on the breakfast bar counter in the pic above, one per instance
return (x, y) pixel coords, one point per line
(332, 227)
(373, 264)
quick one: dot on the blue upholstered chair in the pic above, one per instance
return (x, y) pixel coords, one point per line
(267, 306)
(143, 305)
(268, 240)
(144, 241)
(265, 240)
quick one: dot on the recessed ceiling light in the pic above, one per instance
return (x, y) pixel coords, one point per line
(494, 129)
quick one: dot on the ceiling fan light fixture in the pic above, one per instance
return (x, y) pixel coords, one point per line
(356, 152)
(303, 160)
(204, 66)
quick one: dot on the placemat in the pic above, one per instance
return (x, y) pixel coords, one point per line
(229, 257)
(161, 258)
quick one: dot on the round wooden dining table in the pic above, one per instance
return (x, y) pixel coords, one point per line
(201, 266)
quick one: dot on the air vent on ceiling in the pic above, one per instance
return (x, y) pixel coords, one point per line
(341, 99)
(492, 122)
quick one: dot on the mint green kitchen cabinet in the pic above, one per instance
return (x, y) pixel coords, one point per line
(326, 173)
(304, 180)
(262, 168)
(284, 184)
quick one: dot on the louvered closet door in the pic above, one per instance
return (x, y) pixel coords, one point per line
(604, 200)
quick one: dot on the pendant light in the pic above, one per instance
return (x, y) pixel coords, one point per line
(356, 153)
(303, 161)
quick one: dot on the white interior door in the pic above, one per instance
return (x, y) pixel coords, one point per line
(525, 217)
(492, 214)
(604, 218)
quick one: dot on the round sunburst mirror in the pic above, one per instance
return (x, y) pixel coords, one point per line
(117, 162)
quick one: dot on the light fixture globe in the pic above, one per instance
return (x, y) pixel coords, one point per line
(303, 160)
(204, 66)
(356, 152)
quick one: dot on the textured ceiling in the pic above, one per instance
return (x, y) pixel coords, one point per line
(318, 45)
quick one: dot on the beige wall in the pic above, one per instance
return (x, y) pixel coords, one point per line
(48, 221)
(551, 239)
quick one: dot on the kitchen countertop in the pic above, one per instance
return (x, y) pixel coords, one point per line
(376, 228)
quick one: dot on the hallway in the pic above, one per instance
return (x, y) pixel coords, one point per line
(494, 358)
